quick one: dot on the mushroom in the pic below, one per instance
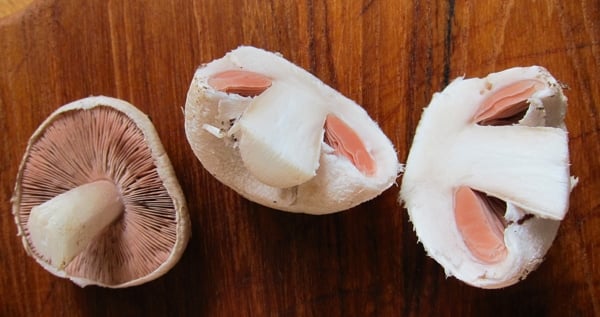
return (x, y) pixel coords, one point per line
(282, 138)
(487, 179)
(96, 199)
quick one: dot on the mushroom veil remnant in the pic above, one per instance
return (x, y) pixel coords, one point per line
(282, 138)
(96, 198)
(487, 180)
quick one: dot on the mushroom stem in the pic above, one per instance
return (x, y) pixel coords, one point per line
(63, 226)
(281, 135)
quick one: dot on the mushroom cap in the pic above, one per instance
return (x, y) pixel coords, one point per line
(106, 138)
(212, 117)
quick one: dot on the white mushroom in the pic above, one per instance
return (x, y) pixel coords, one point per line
(96, 199)
(280, 137)
(487, 178)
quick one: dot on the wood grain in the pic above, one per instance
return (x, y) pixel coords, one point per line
(248, 260)
(8, 7)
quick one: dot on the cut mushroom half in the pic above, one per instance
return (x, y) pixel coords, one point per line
(487, 180)
(282, 138)
(96, 199)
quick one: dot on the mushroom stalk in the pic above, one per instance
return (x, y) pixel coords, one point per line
(63, 226)
(282, 131)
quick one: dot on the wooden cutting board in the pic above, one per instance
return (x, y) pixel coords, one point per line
(248, 260)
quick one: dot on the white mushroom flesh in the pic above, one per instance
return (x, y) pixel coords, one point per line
(487, 178)
(65, 225)
(281, 134)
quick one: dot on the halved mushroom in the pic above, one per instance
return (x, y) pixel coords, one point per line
(487, 178)
(282, 138)
(96, 199)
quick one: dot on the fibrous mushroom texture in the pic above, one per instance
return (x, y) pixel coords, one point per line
(487, 179)
(96, 199)
(280, 137)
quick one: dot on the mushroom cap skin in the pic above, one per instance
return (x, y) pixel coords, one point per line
(140, 222)
(213, 119)
(523, 163)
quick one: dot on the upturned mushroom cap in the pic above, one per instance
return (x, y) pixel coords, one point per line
(282, 138)
(487, 177)
(108, 143)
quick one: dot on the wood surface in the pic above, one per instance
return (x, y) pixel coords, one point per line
(247, 260)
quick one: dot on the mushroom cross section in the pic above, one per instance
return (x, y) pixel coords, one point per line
(487, 179)
(96, 199)
(281, 137)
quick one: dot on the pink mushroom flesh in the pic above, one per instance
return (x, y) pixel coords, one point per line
(346, 142)
(338, 134)
(240, 82)
(82, 146)
(478, 221)
(508, 104)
